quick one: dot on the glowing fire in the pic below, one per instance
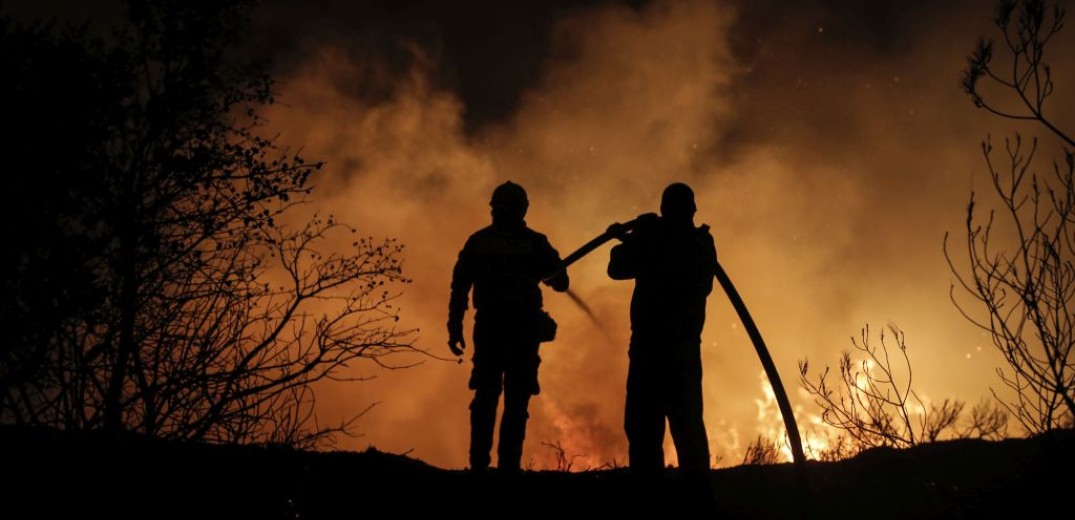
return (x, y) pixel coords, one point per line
(630, 100)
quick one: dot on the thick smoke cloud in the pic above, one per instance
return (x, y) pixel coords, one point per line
(829, 158)
(828, 143)
(628, 103)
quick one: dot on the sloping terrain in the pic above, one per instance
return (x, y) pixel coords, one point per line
(51, 474)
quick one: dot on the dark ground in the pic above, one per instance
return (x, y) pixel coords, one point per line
(49, 474)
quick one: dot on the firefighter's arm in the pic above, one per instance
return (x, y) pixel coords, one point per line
(626, 258)
(560, 281)
(462, 280)
(547, 260)
(623, 260)
(709, 258)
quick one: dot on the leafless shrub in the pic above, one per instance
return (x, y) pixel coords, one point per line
(874, 402)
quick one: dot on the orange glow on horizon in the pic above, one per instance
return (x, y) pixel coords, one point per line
(831, 219)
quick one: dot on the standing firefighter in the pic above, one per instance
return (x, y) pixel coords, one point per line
(672, 262)
(504, 263)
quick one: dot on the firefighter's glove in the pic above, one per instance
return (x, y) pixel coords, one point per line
(618, 231)
(456, 343)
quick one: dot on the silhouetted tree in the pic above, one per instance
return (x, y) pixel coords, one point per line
(155, 285)
(875, 403)
(1020, 262)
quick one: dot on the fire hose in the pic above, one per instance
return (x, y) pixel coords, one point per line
(744, 315)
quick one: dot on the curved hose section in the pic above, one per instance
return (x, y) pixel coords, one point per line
(767, 363)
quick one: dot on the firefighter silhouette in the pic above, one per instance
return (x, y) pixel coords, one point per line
(503, 263)
(672, 262)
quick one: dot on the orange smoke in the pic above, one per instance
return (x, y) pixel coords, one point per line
(830, 216)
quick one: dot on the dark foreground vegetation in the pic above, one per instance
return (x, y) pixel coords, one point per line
(53, 474)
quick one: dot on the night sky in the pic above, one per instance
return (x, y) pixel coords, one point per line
(828, 142)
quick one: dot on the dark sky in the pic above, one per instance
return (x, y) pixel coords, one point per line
(489, 52)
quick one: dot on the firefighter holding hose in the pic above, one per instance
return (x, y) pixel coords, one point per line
(672, 262)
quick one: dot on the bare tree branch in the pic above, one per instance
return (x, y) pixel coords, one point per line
(876, 405)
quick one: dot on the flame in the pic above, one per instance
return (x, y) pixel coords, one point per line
(805, 184)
